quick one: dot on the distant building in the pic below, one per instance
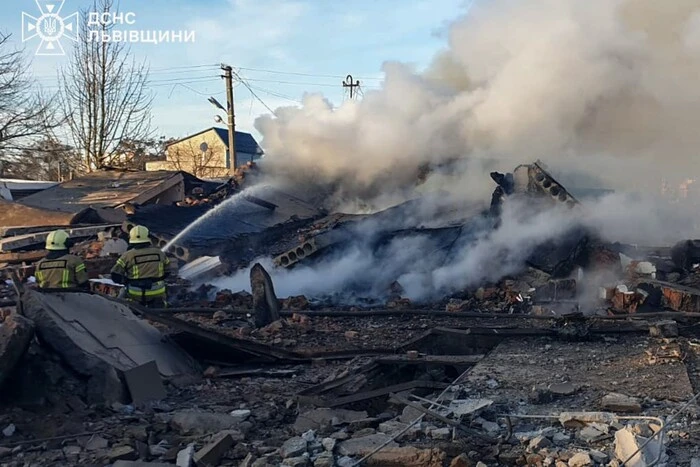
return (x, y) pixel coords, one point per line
(205, 154)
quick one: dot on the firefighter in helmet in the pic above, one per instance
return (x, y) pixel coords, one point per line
(60, 271)
(143, 269)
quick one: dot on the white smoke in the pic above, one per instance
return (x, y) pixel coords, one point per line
(607, 88)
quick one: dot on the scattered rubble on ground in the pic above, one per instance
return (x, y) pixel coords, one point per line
(527, 370)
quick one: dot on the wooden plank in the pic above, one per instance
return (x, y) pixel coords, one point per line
(23, 241)
(361, 396)
(325, 387)
(22, 257)
(13, 231)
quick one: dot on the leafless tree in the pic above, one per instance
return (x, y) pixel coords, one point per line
(103, 94)
(133, 154)
(190, 158)
(47, 159)
(25, 115)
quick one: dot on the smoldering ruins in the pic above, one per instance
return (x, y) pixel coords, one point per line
(491, 262)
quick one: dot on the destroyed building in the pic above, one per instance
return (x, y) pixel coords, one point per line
(551, 363)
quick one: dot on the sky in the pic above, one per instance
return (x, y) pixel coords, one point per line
(283, 48)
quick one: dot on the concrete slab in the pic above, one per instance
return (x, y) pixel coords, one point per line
(145, 384)
(16, 333)
(103, 329)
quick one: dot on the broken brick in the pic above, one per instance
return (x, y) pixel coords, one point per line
(675, 297)
(212, 453)
(628, 301)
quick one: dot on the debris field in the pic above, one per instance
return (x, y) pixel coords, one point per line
(551, 364)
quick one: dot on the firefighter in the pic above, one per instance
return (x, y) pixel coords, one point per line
(142, 270)
(60, 270)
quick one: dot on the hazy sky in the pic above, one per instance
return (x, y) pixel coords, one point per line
(311, 45)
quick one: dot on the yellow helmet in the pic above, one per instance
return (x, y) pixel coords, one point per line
(56, 240)
(138, 235)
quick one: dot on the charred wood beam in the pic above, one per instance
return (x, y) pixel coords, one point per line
(636, 327)
(265, 352)
(256, 349)
(458, 360)
(330, 385)
(363, 396)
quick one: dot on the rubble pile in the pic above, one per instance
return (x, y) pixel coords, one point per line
(585, 355)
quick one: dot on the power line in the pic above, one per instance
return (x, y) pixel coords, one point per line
(178, 80)
(252, 92)
(172, 70)
(215, 65)
(150, 84)
(208, 75)
(275, 94)
(302, 74)
(205, 94)
(195, 68)
(298, 83)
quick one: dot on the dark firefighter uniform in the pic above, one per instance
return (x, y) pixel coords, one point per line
(60, 270)
(143, 270)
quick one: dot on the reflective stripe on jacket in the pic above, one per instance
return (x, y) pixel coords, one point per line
(66, 272)
(144, 270)
(157, 289)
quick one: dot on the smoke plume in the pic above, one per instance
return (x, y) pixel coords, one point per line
(608, 87)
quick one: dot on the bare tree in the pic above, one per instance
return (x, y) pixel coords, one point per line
(103, 94)
(133, 154)
(25, 116)
(47, 159)
(190, 158)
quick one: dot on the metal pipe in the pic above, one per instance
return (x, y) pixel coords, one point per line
(663, 428)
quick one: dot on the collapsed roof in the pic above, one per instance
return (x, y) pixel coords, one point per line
(106, 189)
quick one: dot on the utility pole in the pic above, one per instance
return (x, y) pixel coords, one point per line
(348, 83)
(232, 158)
